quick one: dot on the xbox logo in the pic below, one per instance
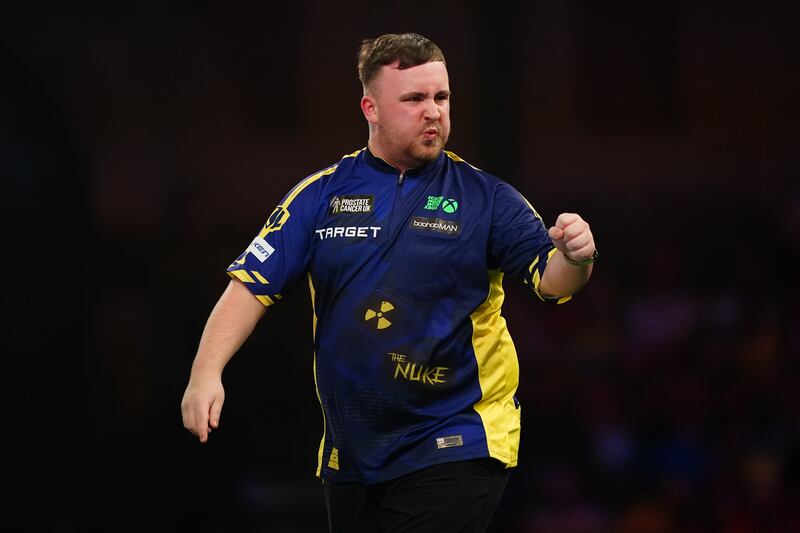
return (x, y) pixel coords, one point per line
(449, 205)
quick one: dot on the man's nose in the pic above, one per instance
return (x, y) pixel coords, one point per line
(432, 111)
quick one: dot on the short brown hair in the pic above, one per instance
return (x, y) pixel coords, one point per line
(411, 49)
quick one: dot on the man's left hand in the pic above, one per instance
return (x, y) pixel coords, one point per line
(572, 237)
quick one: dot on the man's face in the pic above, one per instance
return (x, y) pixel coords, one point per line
(409, 114)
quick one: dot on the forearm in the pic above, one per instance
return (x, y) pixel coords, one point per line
(230, 323)
(561, 278)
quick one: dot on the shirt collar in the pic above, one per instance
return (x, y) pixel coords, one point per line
(382, 165)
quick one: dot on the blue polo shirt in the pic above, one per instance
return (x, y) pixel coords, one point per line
(413, 362)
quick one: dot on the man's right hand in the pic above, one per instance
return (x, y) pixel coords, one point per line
(201, 405)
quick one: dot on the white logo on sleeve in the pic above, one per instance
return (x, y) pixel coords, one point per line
(260, 248)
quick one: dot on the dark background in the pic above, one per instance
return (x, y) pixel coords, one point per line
(142, 145)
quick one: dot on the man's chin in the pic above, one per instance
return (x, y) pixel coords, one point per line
(429, 152)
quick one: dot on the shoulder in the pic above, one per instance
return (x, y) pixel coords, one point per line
(474, 179)
(344, 163)
(319, 178)
(503, 195)
(467, 169)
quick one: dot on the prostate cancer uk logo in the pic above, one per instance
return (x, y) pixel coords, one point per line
(352, 204)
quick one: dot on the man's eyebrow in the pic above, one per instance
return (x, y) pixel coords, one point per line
(413, 94)
(422, 94)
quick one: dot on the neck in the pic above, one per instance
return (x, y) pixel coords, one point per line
(377, 151)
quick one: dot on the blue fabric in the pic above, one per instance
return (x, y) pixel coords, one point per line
(398, 263)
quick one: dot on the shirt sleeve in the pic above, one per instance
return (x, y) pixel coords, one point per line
(519, 244)
(278, 255)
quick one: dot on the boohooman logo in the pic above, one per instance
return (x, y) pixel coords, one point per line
(436, 225)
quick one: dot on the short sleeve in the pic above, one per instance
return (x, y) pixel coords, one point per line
(278, 256)
(519, 244)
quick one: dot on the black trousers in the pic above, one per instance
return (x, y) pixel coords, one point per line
(456, 497)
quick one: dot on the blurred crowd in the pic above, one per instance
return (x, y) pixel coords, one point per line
(664, 399)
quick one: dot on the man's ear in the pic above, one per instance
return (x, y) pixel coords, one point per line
(370, 109)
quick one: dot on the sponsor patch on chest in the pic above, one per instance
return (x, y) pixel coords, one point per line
(361, 232)
(353, 204)
(435, 225)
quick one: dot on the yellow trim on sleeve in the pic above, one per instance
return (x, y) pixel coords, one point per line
(264, 299)
(536, 278)
(243, 276)
(260, 278)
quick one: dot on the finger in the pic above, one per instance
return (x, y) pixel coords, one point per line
(196, 422)
(201, 433)
(214, 413)
(201, 427)
(565, 219)
(555, 233)
(579, 242)
(576, 229)
(582, 253)
(188, 419)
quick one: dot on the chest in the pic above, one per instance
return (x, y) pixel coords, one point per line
(420, 236)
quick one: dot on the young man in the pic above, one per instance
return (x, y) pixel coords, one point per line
(404, 247)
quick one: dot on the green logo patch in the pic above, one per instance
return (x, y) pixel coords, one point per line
(433, 202)
(449, 205)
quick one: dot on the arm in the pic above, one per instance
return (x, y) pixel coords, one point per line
(230, 323)
(573, 238)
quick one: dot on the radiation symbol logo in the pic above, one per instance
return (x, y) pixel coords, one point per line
(381, 322)
(449, 205)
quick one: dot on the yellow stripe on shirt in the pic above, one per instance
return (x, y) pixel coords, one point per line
(498, 374)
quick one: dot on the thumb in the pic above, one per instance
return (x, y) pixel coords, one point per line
(555, 233)
(214, 412)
